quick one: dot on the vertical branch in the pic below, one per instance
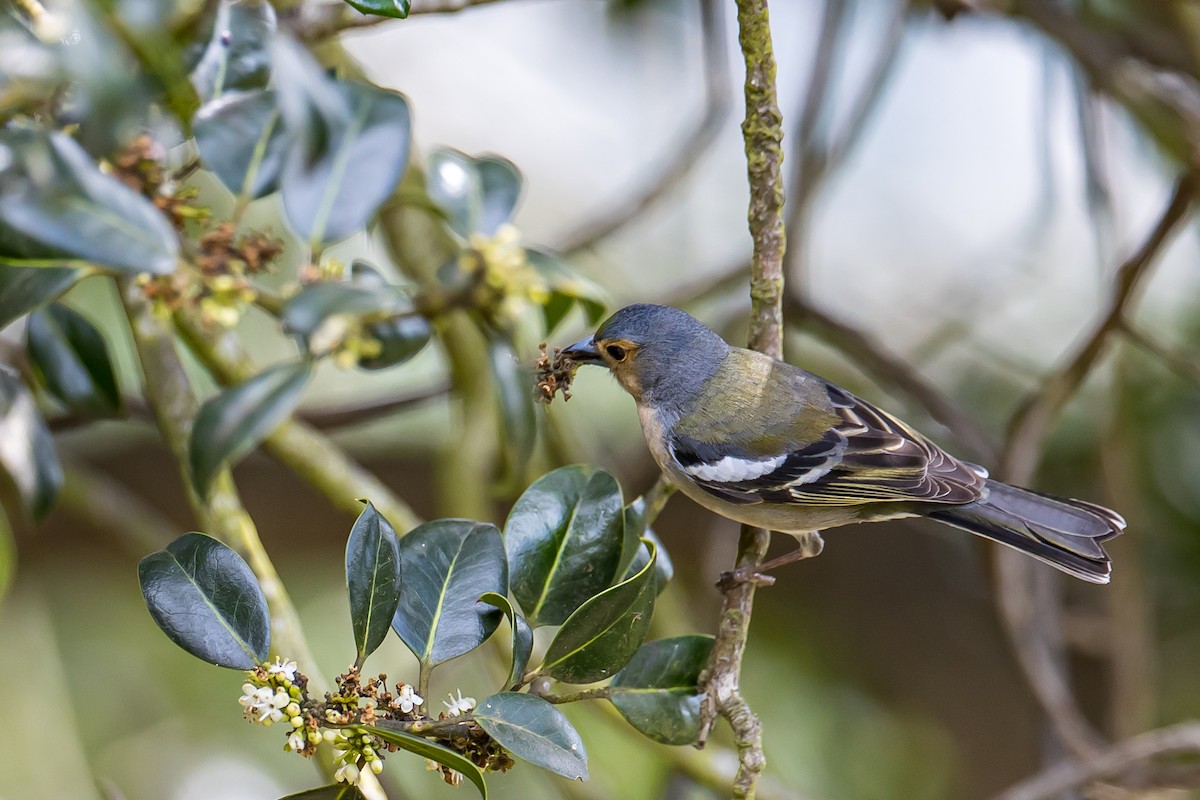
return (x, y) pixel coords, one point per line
(763, 133)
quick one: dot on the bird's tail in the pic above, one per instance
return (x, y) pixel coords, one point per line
(1064, 533)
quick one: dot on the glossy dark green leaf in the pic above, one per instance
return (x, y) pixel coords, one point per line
(400, 339)
(207, 601)
(71, 359)
(522, 636)
(231, 424)
(237, 56)
(434, 752)
(352, 147)
(605, 632)
(397, 9)
(447, 564)
(533, 729)
(24, 289)
(322, 312)
(518, 417)
(634, 552)
(568, 288)
(334, 791)
(27, 454)
(657, 692)
(373, 579)
(477, 194)
(664, 569)
(563, 538)
(241, 138)
(55, 203)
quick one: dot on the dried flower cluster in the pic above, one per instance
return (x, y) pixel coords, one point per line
(554, 375)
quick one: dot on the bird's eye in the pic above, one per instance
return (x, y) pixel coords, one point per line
(615, 352)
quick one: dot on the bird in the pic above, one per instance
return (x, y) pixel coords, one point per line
(768, 444)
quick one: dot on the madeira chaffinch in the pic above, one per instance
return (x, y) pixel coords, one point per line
(770, 445)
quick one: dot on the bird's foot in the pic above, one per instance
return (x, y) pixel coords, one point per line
(733, 578)
(809, 544)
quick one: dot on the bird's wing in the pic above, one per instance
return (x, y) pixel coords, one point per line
(866, 456)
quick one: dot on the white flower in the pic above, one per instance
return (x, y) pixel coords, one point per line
(346, 773)
(460, 706)
(454, 778)
(270, 709)
(287, 669)
(431, 765)
(408, 699)
(296, 742)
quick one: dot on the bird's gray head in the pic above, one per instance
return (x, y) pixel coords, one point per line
(658, 354)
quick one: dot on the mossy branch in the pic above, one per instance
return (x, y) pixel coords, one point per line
(763, 134)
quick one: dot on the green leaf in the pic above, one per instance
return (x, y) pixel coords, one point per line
(320, 312)
(236, 56)
(563, 538)
(605, 632)
(397, 9)
(23, 289)
(533, 729)
(400, 339)
(373, 579)
(56, 203)
(522, 636)
(634, 552)
(447, 564)
(71, 359)
(518, 417)
(568, 288)
(657, 691)
(433, 751)
(664, 570)
(352, 147)
(477, 194)
(207, 601)
(241, 138)
(27, 454)
(334, 791)
(231, 424)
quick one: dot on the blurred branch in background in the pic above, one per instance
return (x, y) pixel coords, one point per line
(316, 22)
(93, 497)
(304, 450)
(686, 155)
(1131, 759)
(1030, 607)
(819, 151)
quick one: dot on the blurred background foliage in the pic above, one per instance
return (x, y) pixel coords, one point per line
(965, 179)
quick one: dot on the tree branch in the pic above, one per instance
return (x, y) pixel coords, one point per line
(170, 395)
(1138, 751)
(1028, 608)
(320, 22)
(763, 133)
(301, 448)
(684, 156)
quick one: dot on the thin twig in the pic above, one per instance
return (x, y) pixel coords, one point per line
(1026, 607)
(170, 395)
(684, 156)
(763, 133)
(319, 23)
(1183, 367)
(1138, 751)
(91, 496)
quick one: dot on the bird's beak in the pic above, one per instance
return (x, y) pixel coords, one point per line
(583, 352)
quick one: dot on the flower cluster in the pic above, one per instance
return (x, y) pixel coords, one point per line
(272, 695)
(500, 261)
(356, 752)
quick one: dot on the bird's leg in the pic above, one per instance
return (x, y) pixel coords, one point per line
(808, 544)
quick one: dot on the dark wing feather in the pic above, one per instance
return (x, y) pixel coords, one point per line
(867, 456)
